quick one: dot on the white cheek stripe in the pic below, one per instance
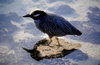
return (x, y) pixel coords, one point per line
(36, 15)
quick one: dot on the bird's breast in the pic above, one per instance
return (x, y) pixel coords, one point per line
(37, 22)
(39, 25)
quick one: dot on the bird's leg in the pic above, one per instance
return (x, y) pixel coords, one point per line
(58, 41)
(50, 41)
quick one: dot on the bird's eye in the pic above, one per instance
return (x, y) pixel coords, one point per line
(36, 15)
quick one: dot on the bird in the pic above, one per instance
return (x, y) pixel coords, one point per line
(52, 24)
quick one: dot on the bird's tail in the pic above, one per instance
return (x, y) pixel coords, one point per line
(77, 32)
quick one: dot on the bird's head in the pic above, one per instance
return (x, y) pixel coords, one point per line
(36, 14)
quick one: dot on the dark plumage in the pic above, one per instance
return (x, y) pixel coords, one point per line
(52, 24)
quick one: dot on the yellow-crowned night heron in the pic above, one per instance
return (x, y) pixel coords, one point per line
(52, 24)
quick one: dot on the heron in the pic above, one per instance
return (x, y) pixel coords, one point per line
(52, 24)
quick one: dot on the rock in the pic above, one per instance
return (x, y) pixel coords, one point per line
(42, 50)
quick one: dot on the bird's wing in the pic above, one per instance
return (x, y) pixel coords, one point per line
(64, 25)
(52, 29)
(58, 26)
(67, 27)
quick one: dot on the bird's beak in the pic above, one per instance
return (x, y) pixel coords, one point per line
(28, 15)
